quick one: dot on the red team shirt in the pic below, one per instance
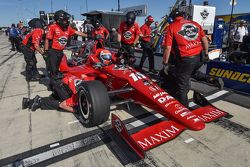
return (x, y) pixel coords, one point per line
(58, 36)
(146, 30)
(187, 34)
(35, 36)
(128, 33)
(101, 31)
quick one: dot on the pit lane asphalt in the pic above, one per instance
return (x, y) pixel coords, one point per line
(58, 138)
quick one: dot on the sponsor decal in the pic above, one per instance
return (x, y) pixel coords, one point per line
(162, 97)
(204, 14)
(152, 88)
(185, 113)
(137, 76)
(192, 45)
(190, 117)
(127, 35)
(165, 98)
(229, 74)
(158, 137)
(181, 110)
(138, 12)
(168, 104)
(178, 106)
(189, 31)
(196, 120)
(160, 94)
(118, 125)
(63, 40)
(210, 115)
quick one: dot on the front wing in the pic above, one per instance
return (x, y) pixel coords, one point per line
(166, 130)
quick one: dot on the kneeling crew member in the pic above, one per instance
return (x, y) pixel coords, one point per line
(31, 43)
(187, 39)
(57, 38)
(57, 100)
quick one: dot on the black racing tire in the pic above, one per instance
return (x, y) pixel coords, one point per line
(93, 103)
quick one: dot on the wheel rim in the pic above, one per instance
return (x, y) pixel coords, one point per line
(84, 105)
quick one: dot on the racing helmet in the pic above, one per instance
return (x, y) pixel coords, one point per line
(105, 57)
(130, 18)
(149, 19)
(62, 18)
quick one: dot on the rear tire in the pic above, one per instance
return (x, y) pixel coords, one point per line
(93, 103)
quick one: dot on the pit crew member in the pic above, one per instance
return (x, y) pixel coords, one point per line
(100, 30)
(188, 40)
(147, 45)
(57, 38)
(129, 34)
(31, 44)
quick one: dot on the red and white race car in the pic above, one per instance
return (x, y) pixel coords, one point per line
(95, 80)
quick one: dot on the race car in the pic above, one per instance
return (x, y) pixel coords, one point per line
(101, 76)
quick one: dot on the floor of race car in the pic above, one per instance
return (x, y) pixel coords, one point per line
(59, 139)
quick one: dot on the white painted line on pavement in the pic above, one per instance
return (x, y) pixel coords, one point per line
(217, 94)
(189, 140)
(210, 97)
(72, 122)
(54, 145)
(145, 120)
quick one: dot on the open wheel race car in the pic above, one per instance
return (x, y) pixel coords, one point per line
(99, 77)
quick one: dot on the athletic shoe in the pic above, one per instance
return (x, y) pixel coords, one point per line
(219, 83)
(25, 103)
(36, 104)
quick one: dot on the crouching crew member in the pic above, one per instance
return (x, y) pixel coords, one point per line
(57, 38)
(147, 45)
(57, 100)
(129, 34)
(30, 44)
(188, 40)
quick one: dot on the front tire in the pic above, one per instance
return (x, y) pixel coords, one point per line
(93, 103)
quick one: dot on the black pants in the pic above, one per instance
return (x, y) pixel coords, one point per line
(61, 92)
(14, 43)
(50, 103)
(184, 69)
(30, 59)
(147, 52)
(54, 60)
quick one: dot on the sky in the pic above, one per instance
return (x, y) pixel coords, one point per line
(11, 11)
